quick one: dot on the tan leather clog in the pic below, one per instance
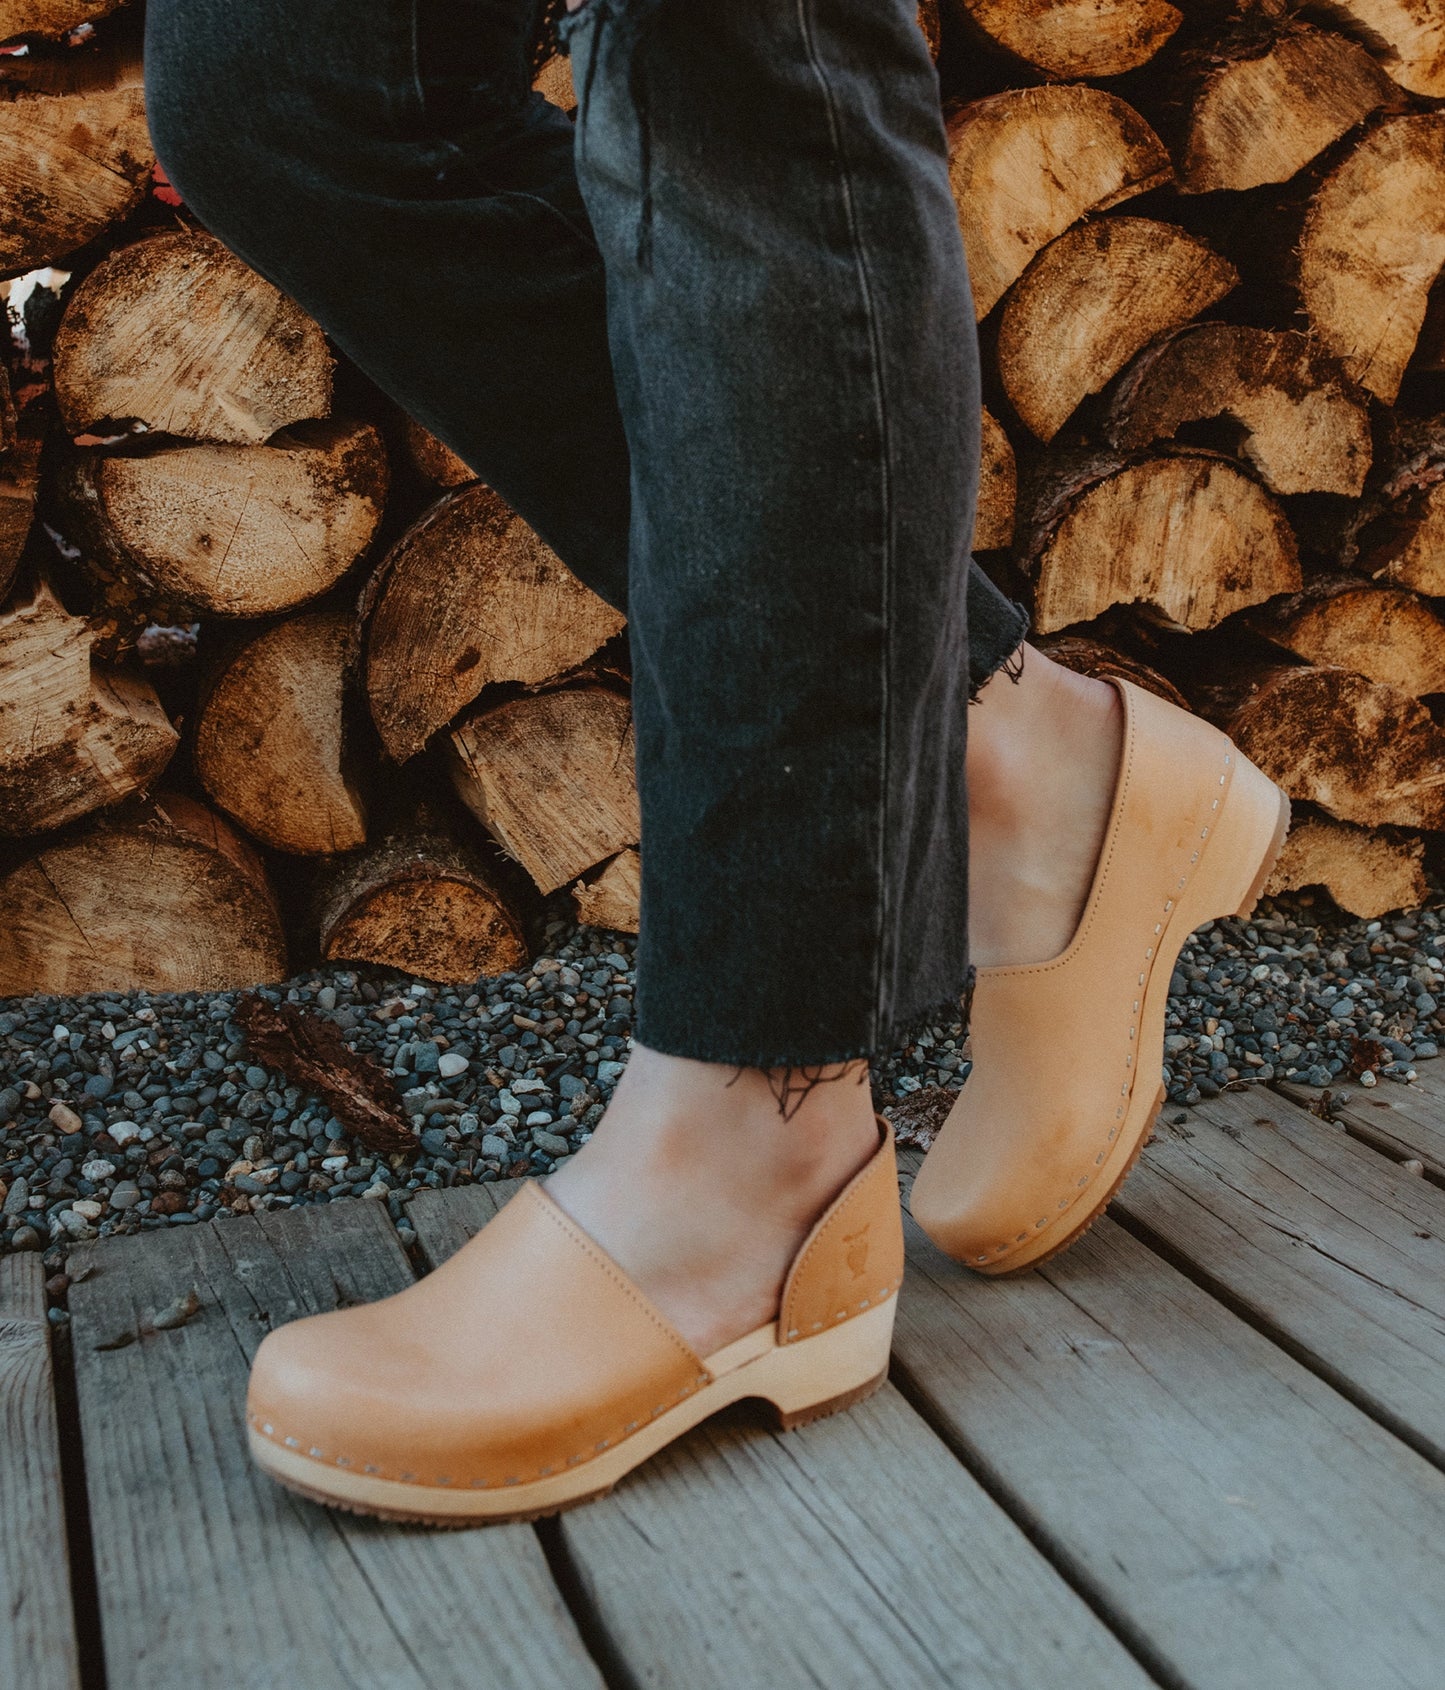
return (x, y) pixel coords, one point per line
(528, 1373)
(1067, 1054)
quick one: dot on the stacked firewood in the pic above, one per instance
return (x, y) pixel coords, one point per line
(280, 679)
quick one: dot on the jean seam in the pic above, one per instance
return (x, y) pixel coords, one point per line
(870, 311)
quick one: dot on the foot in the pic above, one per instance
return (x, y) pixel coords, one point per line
(1043, 758)
(701, 1189)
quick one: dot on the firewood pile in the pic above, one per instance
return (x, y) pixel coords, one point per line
(280, 680)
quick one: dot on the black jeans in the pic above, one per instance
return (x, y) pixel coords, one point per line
(725, 363)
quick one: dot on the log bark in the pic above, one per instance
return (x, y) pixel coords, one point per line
(432, 460)
(1372, 245)
(993, 526)
(1362, 752)
(50, 17)
(1075, 38)
(270, 744)
(1189, 535)
(1397, 534)
(1273, 94)
(1406, 36)
(75, 153)
(1384, 633)
(175, 333)
(930, 21)
(1103, 662)
(197, 530)
(161, 897)
(74, 736)
(421, 901)
(1300, 423)
(1090, 301)
(467, 598)
(19, 483)
(1025, 165)
(1368, 873)
(613, 896)
(551, 777)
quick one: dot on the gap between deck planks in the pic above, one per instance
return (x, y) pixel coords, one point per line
(1405, 1122)
(1234, 1517)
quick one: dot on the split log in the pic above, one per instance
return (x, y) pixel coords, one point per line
(421, 901)
(1026, 165)
(551, 777)
(1273, 94)
(468, 597)
(993, 525)
(432, 460)
(1398, 533)
(612, 897)
(160, 897)
(1384, 633)
(1092, 657)
(74, 736)
(1366, 872)
(270, 746)
(75, 153)
(223, 530)
(50, 17)
(1075, 38)
(1189, 535)
(1090, 301)
(1362, 752)
(19, 482)
(176, 334)
(1407, 36)
(1305, 428)
(1373, 243)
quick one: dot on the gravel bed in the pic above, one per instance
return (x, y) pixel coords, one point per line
(124, 1113)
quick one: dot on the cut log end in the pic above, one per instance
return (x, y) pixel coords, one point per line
(551, 778)
(1076, 38)
(1368, 873)
(161, 900)
(612, 896)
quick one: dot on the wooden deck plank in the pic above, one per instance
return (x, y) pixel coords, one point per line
(1326, 1243)
(37, 1628)
(212, 1576)
(1241, 1522)
(853, 1553)
(1406, 1122)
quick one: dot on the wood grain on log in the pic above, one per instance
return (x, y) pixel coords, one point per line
(226, 530)
(613, 896)
(19, 483)
(1025, 165)
(554, 82)
(1304, 427)
(74, 736)
(50, 17)
(159, 897)
(75, 152)
(1397, 534)
(551, 777)
(993, 525)
(1090, 301)
(468, 597)
(1407, 36)
(1264, 109)
(270, 746)
(1384, 633)
(431, 459)
(1372, 245)
(1087, 656)
(421, 901)
(930, 21)
(175, 332)
(1366, 872)
(1189, 535)
(1362, 752)
(1075, 38)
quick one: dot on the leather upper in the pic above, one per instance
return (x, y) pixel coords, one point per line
(529, 1350)
(1059, 1047)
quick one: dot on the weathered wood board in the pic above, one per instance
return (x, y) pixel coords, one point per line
(1406, 1122)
